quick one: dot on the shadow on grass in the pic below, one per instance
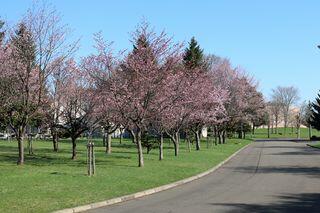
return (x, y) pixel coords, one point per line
(288, 203)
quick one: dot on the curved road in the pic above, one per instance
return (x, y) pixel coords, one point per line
(264, 177)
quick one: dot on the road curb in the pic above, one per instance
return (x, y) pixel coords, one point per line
(148, 191)
(312, 146)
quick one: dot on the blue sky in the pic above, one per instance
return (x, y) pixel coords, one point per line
(275, 41)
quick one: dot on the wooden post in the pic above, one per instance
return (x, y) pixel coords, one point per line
(91, 159)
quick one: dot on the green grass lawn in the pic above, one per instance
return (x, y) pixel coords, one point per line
(50, 181)
(290, 133)
(316, 145)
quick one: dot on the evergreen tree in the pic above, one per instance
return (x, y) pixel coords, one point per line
(25, 48)
(193, 57)
(315, 114)
(142, 45)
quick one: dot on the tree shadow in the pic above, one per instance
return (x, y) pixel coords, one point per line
(296, 153)
(288, 203)
(307, 171)
(279, 147)
(281, 140)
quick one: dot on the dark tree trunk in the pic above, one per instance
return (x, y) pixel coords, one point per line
(215, 136)
(268, 130)
(74, 148)
(176, 148)
(240, 135)
(121, 136)
(224, 137)
(104, 139)
(175, 140)
(197, 135)
(253, 128)
(161, 147)
(176, 143)
(220, 137)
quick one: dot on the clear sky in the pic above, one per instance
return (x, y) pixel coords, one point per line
(275, 41)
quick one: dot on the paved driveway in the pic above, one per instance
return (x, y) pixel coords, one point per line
(265, 177)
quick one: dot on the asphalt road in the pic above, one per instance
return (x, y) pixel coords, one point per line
(264, 177)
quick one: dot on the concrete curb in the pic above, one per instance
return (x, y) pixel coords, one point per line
(148, 191)
(312, 146)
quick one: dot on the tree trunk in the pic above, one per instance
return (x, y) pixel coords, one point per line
(285, 127)
(276, 124)
(132, 136)
(104, 139)
(310, 131)
(74, 149)
(176, 143)
(224, 137)
(219, 138)
(176, 148)
(215, 137)
(108, 143)
(121, 136)
(139, 146)
(253, 128)
(21, 150)
(197, 135)
(30, 147)
(161, 147)
(242, 132)
(240, 135)
(55, 142)
(269, 130)
(298, 131)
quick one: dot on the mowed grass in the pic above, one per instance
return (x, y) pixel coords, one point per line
(50, 181)
(315, 145)
(290, 133)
